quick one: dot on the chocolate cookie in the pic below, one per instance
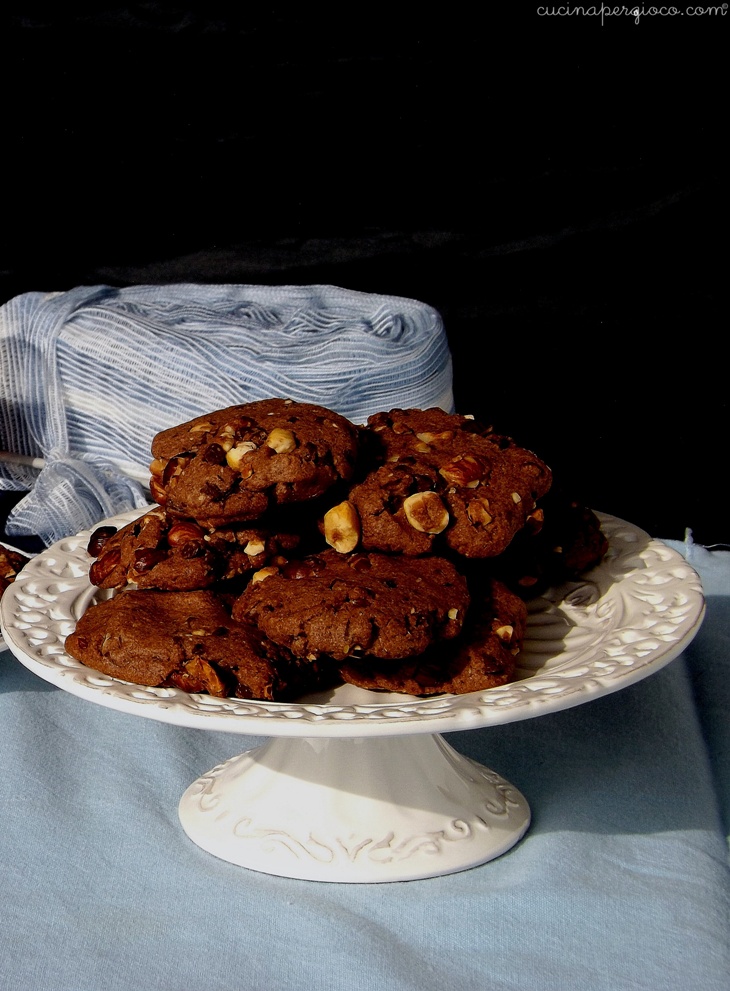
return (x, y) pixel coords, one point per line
(10, 564)
(442, 482)
(185, 640)
(344, 605)
(234, 464)
(482, 656)
(169, 553)
(562, 541)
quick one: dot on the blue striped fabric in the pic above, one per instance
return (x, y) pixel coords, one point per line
(88, 376)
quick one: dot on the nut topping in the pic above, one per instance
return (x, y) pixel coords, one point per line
(342, 527)
(464, 470)
(235, 455)
(280, 440)
(157, 492)
(478, 511)
(254, 547)
(182, 532)
(428, 436)
(263, 573)
(426, 513)
(505, 633)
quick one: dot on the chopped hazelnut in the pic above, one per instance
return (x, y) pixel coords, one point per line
(426, 512)
(157, 491)
(428, 436)
(280, 440)
(263, 573)
(478, 511)
(254, 547)
(464, 470)
(342, 527)
(235, 456)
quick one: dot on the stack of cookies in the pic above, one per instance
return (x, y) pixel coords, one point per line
(292, 550)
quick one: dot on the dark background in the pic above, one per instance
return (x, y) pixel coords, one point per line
(555, 186)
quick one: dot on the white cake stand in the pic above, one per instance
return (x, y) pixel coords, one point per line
(359, 786)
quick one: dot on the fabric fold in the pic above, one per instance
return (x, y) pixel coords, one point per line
(88, 376)
(72, 494)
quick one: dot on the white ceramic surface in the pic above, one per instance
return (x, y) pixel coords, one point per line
(367, 809)
(338, 794)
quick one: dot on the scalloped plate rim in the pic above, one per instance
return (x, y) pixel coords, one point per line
(356, 712)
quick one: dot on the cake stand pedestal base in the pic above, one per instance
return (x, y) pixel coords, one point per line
(360, 809)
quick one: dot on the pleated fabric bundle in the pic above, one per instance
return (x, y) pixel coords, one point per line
(89, 376)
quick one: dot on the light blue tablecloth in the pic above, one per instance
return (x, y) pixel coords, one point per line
(620, 883)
